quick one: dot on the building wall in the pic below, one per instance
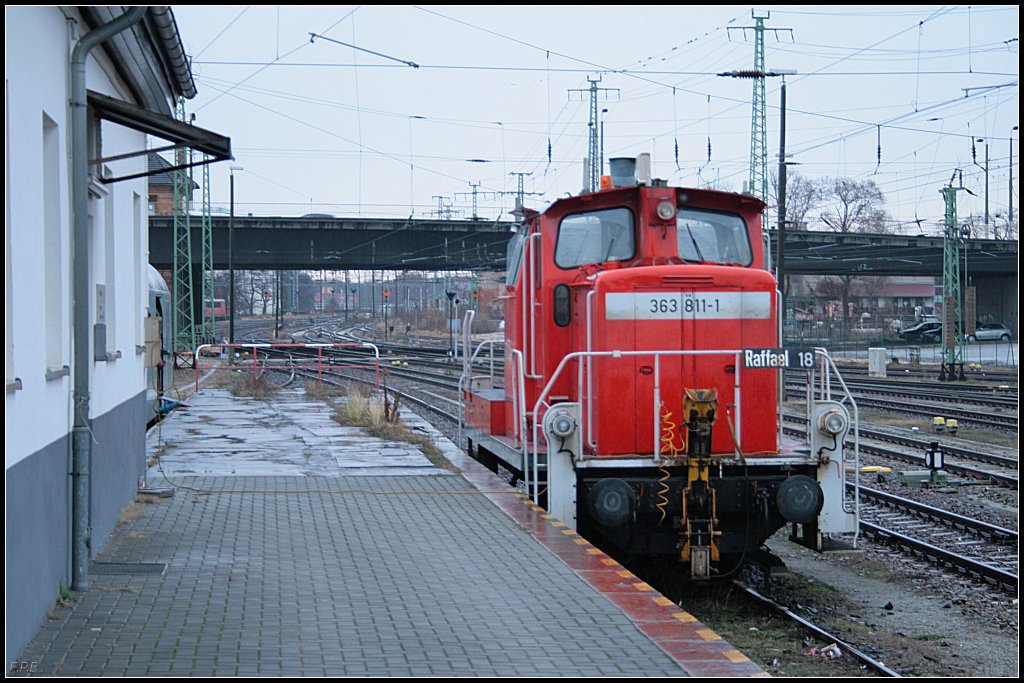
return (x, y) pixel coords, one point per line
(161, 200)
(38, 408)
(37, 539)
(998, 301)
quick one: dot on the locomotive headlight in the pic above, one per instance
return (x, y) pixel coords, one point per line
(666, 210)
(832, 423)
(563, 426)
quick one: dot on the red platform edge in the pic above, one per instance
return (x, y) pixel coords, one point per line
(696, 648)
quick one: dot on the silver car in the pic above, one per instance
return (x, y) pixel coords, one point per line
(990, 332)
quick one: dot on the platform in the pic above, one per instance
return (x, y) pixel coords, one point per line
(294, 546)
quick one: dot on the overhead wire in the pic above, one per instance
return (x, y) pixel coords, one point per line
(287, 54)
(673, 53)
(222, 32)
(359, 115)
(609, 70)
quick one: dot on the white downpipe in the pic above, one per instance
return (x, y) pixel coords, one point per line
(81, 546)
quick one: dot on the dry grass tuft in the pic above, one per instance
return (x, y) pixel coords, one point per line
(130, 513)
(251, 386)
(379, 417)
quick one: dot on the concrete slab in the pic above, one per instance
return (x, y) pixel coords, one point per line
(221, 435)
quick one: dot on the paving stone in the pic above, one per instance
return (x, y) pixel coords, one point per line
(281, 560)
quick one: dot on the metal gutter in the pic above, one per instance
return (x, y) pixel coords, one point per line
(81, 444)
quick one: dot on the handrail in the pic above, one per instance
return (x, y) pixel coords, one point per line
(466, 378)
(467, 338)
(520, 381)
(588, 435)
(781, 377)
(828, 364)
(529, 317)
(587, 355)
(518, 390)
(256, 346)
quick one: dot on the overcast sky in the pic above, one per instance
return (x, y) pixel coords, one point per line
(461, 95)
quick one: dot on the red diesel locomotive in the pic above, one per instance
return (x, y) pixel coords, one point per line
(640, 397)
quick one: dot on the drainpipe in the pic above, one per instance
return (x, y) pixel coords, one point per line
(81, 439)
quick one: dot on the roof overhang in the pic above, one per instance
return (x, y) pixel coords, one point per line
(181, 135)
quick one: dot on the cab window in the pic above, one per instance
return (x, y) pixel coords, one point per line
(712, 237)
(595, 237)
(514, 257)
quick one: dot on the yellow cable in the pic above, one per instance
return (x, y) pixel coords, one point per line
(661, 494)
(668, 438)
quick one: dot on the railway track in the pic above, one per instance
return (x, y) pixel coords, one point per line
(911, 404)
(965, 461)
(989, 374)
(968, 546)
(982, 395)
(818, 632)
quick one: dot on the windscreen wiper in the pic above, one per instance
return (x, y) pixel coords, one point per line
(689, 232)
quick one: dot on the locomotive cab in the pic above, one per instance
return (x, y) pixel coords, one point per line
(641, 381)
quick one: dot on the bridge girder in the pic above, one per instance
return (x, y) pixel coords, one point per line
(311, 243)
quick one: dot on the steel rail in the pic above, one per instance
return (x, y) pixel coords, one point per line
(955, 560)
(821, 633)
(975, 526)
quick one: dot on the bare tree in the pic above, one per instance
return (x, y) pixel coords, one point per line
(252, 294)
(803, 196)
(852, 205)
(1005, 227)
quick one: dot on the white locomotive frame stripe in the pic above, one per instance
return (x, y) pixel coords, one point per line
(678, 305)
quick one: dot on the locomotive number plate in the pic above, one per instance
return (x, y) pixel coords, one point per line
(688, 305)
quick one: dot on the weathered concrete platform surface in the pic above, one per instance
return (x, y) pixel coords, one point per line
(279, 554)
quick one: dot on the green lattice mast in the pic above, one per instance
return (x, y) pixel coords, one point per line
(594, 153)
(952, 313)
(184, 317)
(209, 329)
(758, 118)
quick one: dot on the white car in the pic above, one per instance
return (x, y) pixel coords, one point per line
(990, 332)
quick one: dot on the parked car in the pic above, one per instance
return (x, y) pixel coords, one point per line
(926, 331)
(990, 332)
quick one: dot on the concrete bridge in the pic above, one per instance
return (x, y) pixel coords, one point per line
(315, 242)
(323, 242)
